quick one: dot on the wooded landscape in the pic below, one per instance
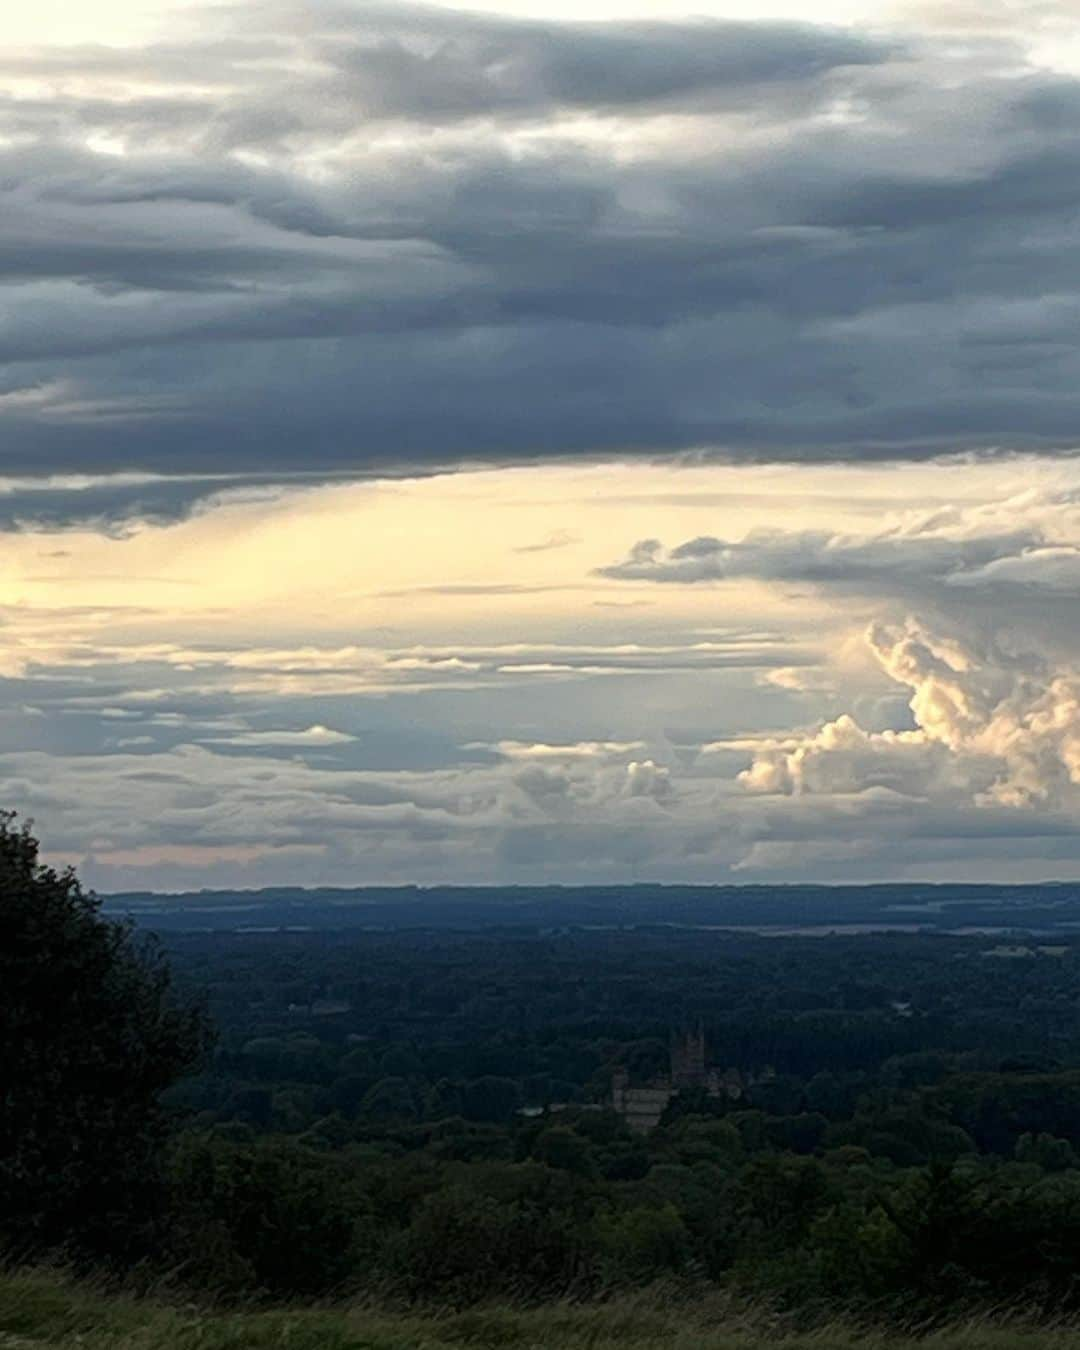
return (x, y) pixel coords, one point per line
(424, 1119)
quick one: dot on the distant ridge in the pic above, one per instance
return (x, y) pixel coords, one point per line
(812, 910)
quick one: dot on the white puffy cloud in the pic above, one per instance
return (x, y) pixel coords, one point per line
(990, 728)
(842, 757)
(592, 779)
(579, 750)
(308, 736)
(646, 778)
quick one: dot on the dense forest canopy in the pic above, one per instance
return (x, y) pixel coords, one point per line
(903, 1120)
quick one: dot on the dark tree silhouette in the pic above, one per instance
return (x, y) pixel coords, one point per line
(90, 1036)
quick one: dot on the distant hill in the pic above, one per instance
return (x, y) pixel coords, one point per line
(1051, 908)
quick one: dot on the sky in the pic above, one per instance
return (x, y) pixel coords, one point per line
(541, 442)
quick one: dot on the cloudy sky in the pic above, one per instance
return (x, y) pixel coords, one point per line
(545, 441)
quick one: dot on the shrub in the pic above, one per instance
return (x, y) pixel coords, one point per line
(90, 1037)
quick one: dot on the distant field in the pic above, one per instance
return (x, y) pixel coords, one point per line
(45, 1311)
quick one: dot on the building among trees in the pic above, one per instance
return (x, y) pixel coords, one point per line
(642, 1105)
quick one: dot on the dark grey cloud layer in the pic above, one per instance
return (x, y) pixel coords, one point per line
(120, 504)
(427, 64)
(383, 237)
(1024, 543)
(818, 556)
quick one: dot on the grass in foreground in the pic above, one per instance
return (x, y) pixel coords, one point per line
(43, 1311)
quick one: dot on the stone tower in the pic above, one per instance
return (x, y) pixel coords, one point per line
(688, 1059)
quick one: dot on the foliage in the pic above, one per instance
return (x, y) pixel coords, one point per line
(902, 1140)
(268, 1215)
(90, 1037)
(424, 1117)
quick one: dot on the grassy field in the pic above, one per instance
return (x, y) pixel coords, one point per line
(43, 1310)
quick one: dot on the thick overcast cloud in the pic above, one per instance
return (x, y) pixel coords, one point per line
(356, 237)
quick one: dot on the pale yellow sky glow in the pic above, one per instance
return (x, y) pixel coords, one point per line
(413, 555)
(414, 675)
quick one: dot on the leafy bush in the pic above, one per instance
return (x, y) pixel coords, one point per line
(272, 1216)
(90, 1037)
